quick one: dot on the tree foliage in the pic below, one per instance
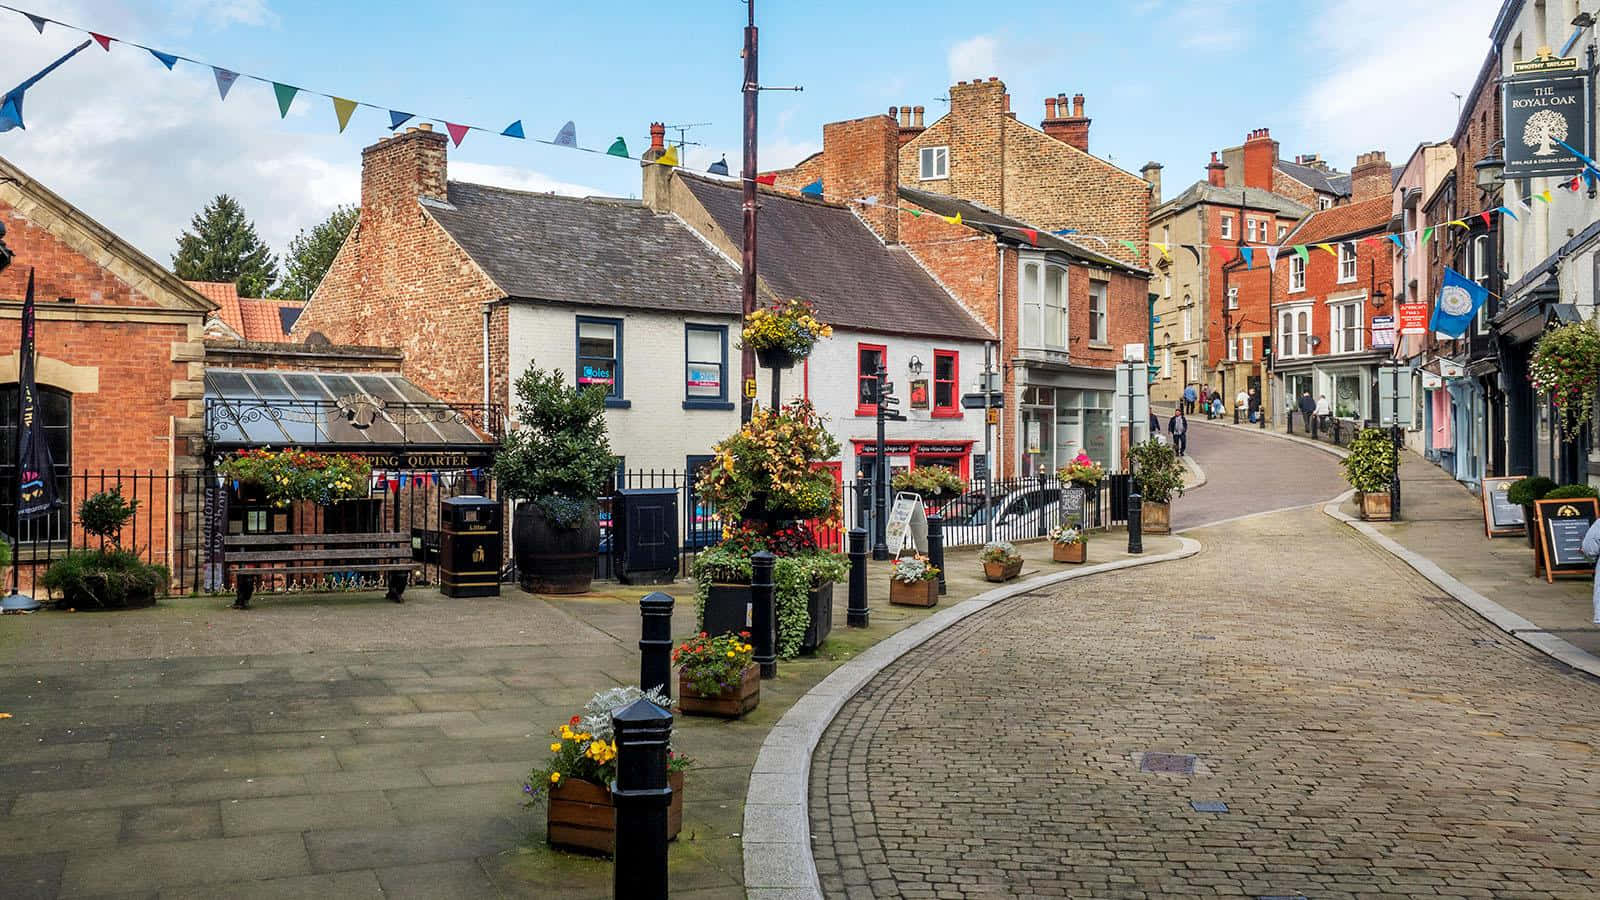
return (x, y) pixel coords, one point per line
(221, 244)
(559, 455)
(312, 252)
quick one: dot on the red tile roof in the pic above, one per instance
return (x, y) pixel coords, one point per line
(1342, 221)
(254, 319)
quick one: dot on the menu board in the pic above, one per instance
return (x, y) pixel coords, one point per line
(1562, 525)
(1072, 505)
(1501, 517)
(907, 521)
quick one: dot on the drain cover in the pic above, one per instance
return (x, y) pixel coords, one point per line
(1168, 763)
(1210, 806)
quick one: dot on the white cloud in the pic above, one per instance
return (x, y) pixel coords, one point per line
(1391, 88)
(222, 13)
(517, 179)
(974, 58)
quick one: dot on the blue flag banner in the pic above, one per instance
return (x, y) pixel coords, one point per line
(1249, 257)
(567, 136)
(11, 104)
(514, 130)
(814, 189)
(167, 59)
(397, 118)
(1459, 299)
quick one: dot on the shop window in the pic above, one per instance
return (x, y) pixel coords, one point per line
(946, 376)
(600, 356)
(869, 359)
(706, 367)
(55, 411)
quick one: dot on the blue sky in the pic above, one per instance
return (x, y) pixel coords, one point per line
(141, 148)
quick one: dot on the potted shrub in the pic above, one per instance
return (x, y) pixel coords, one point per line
(783, 333)
(936, 485)
(1001, 561)
(1566, 365)
(1523, 493)
(915, 582)
(1068, 544)
(557, 462)
(1571, 492)
(1159, 476)
(717, 676)
(109, 577)
(575, 785)
(1370, 468)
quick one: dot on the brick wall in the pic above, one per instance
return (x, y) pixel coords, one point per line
(861, 160)
(807, 171)
(1285, 186)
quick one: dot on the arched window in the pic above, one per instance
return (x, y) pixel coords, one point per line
(55, 410)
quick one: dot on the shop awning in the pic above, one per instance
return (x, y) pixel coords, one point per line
(338, 411)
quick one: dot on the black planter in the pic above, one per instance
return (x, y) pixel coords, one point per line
(552, 559)
(94, 596)
(776, 358)
(1528, 526)
(727, 609)
(819, 603)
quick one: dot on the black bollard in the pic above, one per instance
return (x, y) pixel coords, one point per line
(1135, 527)
(641, 795)
(655, 642)
(858, 613)
(936, 546)
(764, 612)
(1291, 421)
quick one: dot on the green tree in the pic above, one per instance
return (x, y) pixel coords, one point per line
(222, 245)
(312, 252)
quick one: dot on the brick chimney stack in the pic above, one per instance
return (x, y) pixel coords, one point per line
(1216, 171)
(657, 180)
(861, 158)
(1372, 177)
(910, 121)
(1260, 159)
(397, 170)
(1152, 173)
(1070, 129)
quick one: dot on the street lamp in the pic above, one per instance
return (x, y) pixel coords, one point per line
(1490, 171)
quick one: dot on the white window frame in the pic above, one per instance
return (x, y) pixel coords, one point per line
(1099, 313)
(1324, 202)
(1340, 312)
(1347, 259)
(1294, 331)
(1233, 297)
(1166, 362)
(1036, 302)
(1297, 273)
(933, 163)
(1188, 320)
(1226, 229)
(1283, 232)
(1480, 274)
(1250, 229)
(1233, 349)
(1247, 347)
(1166, 286)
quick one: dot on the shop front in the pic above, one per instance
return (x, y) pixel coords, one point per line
(902, 455)
(1349, 386)
(1063, 415)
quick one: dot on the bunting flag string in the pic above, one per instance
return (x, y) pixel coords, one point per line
(566, 137)
(285, 94)
(514, 130)
(342, 110)
(225, 80)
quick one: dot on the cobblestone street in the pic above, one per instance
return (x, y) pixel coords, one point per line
(1349, 730)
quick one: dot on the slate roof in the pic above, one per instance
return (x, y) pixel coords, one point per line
(593, 251)
(976, 214)
(820, 251)
(1336, 183)
(1254, 198)
(1342, 221)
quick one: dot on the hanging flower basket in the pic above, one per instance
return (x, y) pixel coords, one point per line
(1566, 365)
(783, 333)
(286, 476)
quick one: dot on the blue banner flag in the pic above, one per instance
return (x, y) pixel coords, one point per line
(1459, 299)
(11, 104)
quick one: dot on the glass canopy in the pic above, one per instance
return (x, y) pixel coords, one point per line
(262, 408)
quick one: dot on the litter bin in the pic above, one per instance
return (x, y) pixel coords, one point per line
(644, 535)
(471, 546)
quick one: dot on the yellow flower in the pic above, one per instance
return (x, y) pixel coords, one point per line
(555, 748)
(555, 777)
(730, 654)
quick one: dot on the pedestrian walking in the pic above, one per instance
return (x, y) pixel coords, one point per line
(1241, 405)
(1323, 411)
(1308, 407)
(1155, 426)
(1254, 404)
(1189, 397)
(1178, 427)
(1591, 549)
(1204, 397)
(1216, 406)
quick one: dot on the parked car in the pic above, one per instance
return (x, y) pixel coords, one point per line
(1016, 514)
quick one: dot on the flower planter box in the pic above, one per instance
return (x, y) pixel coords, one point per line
(1002, 571)
(1375, 506)
(1070, 553)
(819, 607)
(920, 593)
(1155, 518)
(581, 816)
(729, 704)
(727, 609)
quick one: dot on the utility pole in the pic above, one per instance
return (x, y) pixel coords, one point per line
(752, 84)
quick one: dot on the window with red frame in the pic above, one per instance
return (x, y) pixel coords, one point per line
(869, 358)
(945, 375)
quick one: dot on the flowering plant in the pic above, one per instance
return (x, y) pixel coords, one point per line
(585, 747)
(1067, 533)
(914, 569)
(1000, 552)
(775, 456)
(749, 536)
(785, 325)
(1566, 364)
(290, 475)
(1081, 470)
(714, 664)
(931, 482)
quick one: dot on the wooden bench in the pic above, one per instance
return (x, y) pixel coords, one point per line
(252, 556)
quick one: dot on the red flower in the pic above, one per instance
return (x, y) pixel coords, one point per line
(574, 720)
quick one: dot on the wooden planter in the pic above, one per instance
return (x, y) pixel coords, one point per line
(1070, 553)
(1002, 571)
(580, 816)
(921, 593)
(730, 704)
(1155, 518)
(1375, 506)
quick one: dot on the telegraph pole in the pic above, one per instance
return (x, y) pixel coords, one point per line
(752, 84)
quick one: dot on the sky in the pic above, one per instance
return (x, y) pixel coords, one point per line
(141, 149)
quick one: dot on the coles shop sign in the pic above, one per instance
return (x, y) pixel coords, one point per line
(595, 375)
(706, 379)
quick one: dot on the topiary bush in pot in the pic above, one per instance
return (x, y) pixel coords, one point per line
(1159, 475)
(1370, 467)
(109, 577)
(1571, 492)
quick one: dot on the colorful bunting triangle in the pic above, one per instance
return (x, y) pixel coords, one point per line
(285, 94)
(398, 118)
(458, 133)
(1031, 235)
(225, 80)
(1164, 248)
(567, 136)
(953, 220)
(1426, 234)
(514, 130)
(814, 189)
(167, 59)
(38, 21)
(11, 113)
(1301, 251)
(619, 147)
(915, 213)
(1397, 242)
(103, 41)
(1462, 224)
(1545, 196)
(1272, 257)
(343, 109)
(1132, 247)
(670, 158)
(1249, 257)
(1485, 216)
(1329, 247)
(767, 179)
(1065, 231)
(1507, 211)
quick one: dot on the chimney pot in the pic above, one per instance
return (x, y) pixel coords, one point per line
(994, 77)
(1008, 103)
(894, 112)
(916, 117)
(658, 136)
(1077, 105)
(1049, 107)
(425, 126)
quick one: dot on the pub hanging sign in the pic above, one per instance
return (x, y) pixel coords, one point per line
(1546, 105)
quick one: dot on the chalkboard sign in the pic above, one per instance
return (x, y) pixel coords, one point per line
(1562, 524)
(1072, 505)
(1501, 517)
